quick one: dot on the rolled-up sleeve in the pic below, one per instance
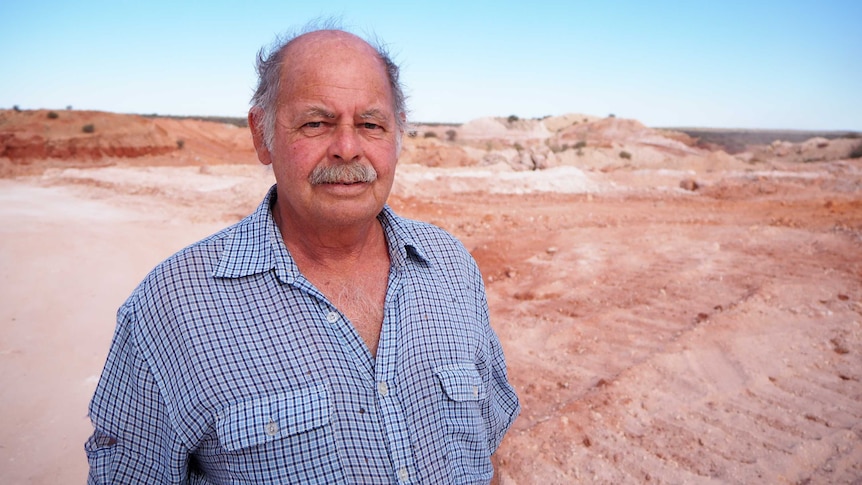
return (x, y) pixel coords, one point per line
(133, 441)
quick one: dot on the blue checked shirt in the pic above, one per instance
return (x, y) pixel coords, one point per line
(229, 367)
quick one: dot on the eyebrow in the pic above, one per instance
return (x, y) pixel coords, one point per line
(373, 114)
(315, 111)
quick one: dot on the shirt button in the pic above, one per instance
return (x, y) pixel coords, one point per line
(331, 317)
(271, 428)
(382, 388)
(402, 474)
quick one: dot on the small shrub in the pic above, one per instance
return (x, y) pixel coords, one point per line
(519, 147)
(625, 155)
(52, 115)
(856, 152)
(16, 108)
(181, 144)
(580, 144)
(88, 128)
(430, 134)
(69, 108)
(451, 135)
(612, 115)
(512, 118)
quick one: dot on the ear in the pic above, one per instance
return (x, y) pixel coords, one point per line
(255, 124)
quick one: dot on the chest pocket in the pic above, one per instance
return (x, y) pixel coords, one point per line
(261, 420)
(281, 438)
(461, 382)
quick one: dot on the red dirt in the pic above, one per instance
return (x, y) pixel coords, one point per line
(654, 334)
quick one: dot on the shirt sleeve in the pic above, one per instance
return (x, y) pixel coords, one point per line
(503, 403)
(502, 406)
(133, 440)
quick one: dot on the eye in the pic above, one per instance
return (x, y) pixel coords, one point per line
(371, 126)
(313, 124)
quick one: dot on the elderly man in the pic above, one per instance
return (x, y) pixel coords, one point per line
(322, 339)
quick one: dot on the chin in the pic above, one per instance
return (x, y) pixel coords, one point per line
(346, 214)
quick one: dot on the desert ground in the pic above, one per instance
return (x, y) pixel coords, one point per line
(672, 310)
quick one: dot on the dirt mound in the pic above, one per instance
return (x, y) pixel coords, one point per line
(558, 123)
(27, 135)
(32, 141)
(211, 142)
(431, 152)
(608, 132)
(512, 129)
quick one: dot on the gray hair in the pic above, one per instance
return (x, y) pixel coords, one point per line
(269, 63)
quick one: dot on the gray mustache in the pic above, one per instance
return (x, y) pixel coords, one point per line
(348, 173)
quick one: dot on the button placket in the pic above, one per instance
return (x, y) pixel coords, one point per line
(386, 381)
(383, 388)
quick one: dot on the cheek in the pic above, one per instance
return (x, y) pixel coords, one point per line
(384, 156)
(301, 155)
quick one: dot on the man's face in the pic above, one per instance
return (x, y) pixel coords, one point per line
(335, 107)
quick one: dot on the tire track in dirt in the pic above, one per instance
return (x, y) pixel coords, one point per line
(677, 342)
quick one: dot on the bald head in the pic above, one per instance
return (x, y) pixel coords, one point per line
(315, 52)
(318, 44)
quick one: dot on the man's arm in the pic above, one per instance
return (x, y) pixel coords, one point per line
(133, 440)
(502, 406)
(495, 462)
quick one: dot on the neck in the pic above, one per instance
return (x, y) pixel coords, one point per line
(341, 247)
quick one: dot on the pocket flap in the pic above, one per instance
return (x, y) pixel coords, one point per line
(461, 382)
(266, 418)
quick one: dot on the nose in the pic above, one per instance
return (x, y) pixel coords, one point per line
(345, 145)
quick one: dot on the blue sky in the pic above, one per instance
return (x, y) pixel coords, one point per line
(732, 64)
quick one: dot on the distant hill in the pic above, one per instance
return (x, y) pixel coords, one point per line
(242, 122)
(738, 140)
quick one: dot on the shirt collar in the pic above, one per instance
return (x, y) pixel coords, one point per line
(255, 244)
(400, 236)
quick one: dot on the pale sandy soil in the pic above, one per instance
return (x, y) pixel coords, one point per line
(654, 334)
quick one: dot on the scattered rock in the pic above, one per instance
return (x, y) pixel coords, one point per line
(689, 184)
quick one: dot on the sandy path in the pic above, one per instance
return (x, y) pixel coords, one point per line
(66, 263)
